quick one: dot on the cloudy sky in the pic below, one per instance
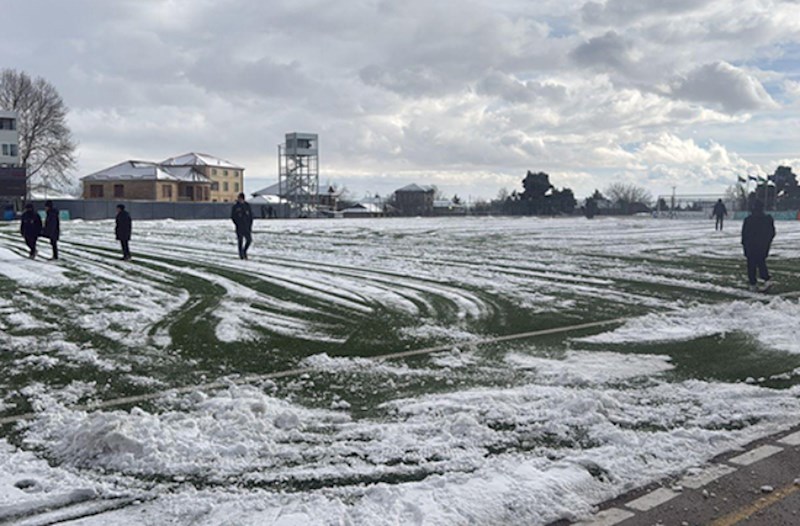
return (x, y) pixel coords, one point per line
(464, 94)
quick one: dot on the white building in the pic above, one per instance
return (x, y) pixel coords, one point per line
(9, 139)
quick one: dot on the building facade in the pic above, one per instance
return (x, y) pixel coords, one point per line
(9, 139)
(13, 181)
(188, 178)
(414, 200)
(227, 179)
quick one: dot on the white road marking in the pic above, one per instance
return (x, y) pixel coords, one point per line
(608, 517)
(652, 499)
(791, 440)
(710, 474)
(759, 453)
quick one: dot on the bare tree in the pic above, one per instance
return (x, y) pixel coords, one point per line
(626, 194)
(46, 147)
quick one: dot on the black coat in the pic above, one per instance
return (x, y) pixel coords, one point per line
(31, 224)
(242, 217)
(758, 230)
(720, 210)
(124, 226)
(52, 225)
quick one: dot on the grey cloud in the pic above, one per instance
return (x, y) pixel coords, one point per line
(413, 81)
(263, 77)
(723, 85)
(508, 88)
(615, 12)
(610, 51)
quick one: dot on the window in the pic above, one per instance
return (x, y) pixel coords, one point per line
(225, 173)
(6, 149)
(96, 191)
(215, 187)
(166, 191)
(13, 149)
(235, 187)
(225, 186)
(213, 171)
(119, 191)
(8, 124)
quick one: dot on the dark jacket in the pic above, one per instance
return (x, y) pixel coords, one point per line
(720, 210)
(52, 225)
(242, 217)
(31, 224)
(758, 230)
(124, 226)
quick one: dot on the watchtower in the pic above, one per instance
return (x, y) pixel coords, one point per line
(298, 173)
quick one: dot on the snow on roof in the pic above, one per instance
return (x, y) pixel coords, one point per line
(266, 200)
(146, 171)
(199, 159)
(42, 191)
(274, 189)
(363, 208)
(415, 188)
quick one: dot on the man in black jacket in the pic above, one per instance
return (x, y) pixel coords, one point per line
(242, 217)
(52, 226)
(719, 212)
(123, 230)
(758, 230)
(31, 228)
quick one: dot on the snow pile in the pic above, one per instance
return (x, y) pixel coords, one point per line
(530, 454)
(774, 325)
(30, 273)
(581, 368)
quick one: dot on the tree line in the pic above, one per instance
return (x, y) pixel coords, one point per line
(540, 197)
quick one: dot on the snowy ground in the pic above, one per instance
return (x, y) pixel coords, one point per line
(525, 431)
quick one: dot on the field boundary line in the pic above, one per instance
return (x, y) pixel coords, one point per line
(221, 384)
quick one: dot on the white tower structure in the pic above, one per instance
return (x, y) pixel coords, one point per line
(298, 173)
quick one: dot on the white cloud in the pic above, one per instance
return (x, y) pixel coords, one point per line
(724, 85)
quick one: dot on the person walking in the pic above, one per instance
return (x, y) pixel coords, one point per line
(719, 212)
(758, 231)
(52, 226)
(31, 228)
(242, 217)
(123, 230)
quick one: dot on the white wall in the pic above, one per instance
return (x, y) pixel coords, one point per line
(9, 137)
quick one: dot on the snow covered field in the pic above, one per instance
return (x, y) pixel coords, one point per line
(524, 431)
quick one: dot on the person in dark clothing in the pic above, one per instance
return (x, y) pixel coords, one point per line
(242, 217)
(52, 226)
(123, 230)
(719, 213)
(758, 231)
(31, 228)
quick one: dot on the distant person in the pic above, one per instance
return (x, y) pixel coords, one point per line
(31, 228)
(758, 230)
(719, 213)
(242, 217)
(52, 226)
(123, 230)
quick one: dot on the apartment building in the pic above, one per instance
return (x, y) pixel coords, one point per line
(12, 176)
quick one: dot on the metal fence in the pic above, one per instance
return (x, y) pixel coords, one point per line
(99, 209)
